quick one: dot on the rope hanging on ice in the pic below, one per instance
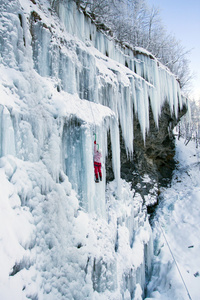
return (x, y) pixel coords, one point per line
(174, 260)
(94, 66)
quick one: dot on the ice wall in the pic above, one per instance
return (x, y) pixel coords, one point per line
(97, 77)
(61, 81)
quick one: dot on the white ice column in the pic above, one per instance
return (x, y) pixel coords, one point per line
(7, 136)
(143, 106)
(77, 153)
(114, 129)
(125, 107)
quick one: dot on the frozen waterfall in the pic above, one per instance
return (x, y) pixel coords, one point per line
(61, 82)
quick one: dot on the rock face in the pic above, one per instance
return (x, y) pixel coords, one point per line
(155, 157)
(158, 153)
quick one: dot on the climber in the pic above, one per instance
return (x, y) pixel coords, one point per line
(97, 163)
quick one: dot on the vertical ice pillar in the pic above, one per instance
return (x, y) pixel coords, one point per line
(7, 136)
(114, 130)
(175, 96)
(77, 153)
(87, 182)
(41, 38)
(100, 198)
(1, 130)
(143, 106)
(74, 158)
(155, 94)
(125, 107)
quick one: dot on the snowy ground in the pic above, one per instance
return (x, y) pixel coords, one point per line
(176, 229)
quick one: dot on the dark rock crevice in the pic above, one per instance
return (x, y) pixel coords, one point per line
(155, 158)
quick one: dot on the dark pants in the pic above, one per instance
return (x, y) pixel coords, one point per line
(97, 170)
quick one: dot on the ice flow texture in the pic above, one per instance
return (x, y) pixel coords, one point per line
(46, 74)
(78, 68)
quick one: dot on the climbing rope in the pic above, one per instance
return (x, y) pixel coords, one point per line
(174, 260)
(77, 27)
(92, 112)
